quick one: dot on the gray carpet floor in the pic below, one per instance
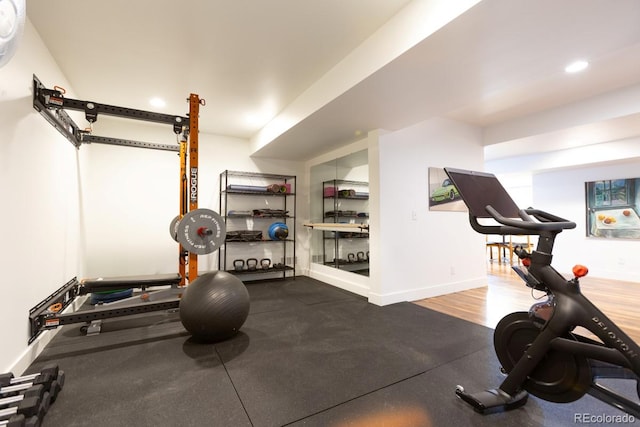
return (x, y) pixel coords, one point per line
(309, 354)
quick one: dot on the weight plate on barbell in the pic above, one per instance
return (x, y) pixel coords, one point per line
(201, 231)
(173, 228)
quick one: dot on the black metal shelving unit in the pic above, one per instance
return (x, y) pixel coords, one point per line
(344, 202)
(247, 205)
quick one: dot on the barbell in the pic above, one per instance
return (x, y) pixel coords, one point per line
(200, 231)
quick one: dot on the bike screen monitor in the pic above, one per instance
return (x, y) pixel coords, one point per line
(479, 189)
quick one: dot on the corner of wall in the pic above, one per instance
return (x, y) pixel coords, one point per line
(351, 282)
(429, 291)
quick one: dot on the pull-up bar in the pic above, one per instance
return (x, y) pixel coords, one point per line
(51, 104)
(203, 230)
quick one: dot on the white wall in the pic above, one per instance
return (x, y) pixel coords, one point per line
(131, 195)
(562, 192)
(40, 191)
(357, 173)
(557, 185)
(97, 211)
(422, 255)
(417, 253)
(609, 151)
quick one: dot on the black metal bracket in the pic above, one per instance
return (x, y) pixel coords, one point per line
(48, 314)
(44, 309)
(51, 104)
(88, 138)
(99, 313)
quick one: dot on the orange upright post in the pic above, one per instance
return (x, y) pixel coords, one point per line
(182, 258)
(194, 111)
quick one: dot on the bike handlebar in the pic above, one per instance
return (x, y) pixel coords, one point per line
(533, 221)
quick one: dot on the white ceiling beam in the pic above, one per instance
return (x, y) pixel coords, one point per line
(412, 24)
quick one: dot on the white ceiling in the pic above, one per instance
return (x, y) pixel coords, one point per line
(495, 66)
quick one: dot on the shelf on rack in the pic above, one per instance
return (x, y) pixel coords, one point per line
(346, 216)
(356, 197)
(261, 270)
(259, 241)
(245, 216)
(258, 175)
(345, 203)
(358, 236)
(345, 262)
(270, 191)
(257, 193)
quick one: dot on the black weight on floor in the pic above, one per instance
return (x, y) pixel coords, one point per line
(20, 421)
(52, 385)
(214, 306)
(9, 379)
(29, 407)
(33, 391)
(44, 380)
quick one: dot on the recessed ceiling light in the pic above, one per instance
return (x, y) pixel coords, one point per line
(157, 102)
(576, 66)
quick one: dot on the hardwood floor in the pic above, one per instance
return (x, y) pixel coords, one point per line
(505, 293)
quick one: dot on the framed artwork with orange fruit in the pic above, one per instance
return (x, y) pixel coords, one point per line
(613, 207)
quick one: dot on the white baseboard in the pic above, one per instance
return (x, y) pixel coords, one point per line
(34, 349)
(416, 294)
(351, 282)
(360, 285)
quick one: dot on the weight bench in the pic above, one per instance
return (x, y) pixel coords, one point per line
(101, 284)
(48, 314)
(116, 292)
(111, 289)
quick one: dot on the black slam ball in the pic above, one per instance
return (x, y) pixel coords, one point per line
(214, 306)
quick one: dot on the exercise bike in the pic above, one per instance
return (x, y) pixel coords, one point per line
(539, 350)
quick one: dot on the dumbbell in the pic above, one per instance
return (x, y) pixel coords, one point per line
(51, 384)
(28, 407)
(37, 391)
(9, 379)
(19, 420)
